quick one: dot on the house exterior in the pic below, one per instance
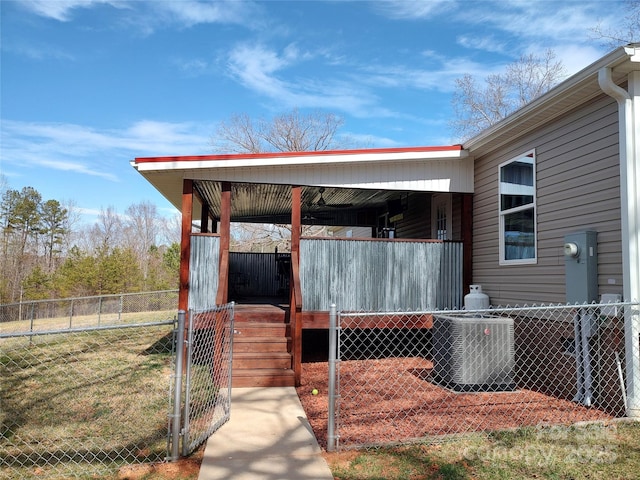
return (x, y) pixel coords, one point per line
(582, 142)
(568, 162)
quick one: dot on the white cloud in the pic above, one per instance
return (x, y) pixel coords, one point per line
(61, 10)
(412, 10)
(147, 16)
(191, 12)
(350, 88)
(262, 70)
(560, 23)
(39, 52)
(94, 152)
(577, 56)
(487, 43)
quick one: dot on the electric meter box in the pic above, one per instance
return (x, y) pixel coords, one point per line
(581, 267)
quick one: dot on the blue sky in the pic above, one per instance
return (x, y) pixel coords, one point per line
(88, 85)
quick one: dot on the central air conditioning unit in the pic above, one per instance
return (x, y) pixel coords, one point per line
(473, 353)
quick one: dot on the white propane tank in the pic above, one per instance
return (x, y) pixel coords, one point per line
(475, 299)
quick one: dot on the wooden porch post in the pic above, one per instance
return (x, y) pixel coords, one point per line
(294, 318)
(225, 242)
(467, 241)
(185, 243)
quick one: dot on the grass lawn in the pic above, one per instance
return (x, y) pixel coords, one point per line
(610, 451)
(84, 402)
(593, 451)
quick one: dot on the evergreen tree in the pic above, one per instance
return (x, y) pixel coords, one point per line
(53, 228)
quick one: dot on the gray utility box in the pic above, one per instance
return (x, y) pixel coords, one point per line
(473, 353)
(581, 267)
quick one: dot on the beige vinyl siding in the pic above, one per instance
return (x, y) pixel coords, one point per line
(416, 220)
(578, 188)
(456, 221)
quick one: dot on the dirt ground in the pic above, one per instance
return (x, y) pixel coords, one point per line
(392, 400)
(184, 469)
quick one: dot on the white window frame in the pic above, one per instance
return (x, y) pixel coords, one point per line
(530, 206)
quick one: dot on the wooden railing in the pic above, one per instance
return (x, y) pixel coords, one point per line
(295, 318)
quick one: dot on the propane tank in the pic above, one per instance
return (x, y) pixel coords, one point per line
(475, 299)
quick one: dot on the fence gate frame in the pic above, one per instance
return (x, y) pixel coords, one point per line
(204, 358)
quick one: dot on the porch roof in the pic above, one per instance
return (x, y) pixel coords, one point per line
(342, 181)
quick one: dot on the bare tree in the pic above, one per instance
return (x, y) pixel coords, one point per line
(72, 223)
(141, 232)
(478, 105)
(107, 231)
(170, 229)
(287, 132)
(260, 237)
(627, 31)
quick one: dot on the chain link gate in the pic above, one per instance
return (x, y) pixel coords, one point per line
(208, 363)
(408, 376)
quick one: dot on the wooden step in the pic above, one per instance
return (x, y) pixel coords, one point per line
(260, 344)
(269, 360)
(260, 329)
(263, 377)
(259, 313)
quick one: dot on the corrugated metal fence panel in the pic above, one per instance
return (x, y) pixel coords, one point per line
(203, 271)
(450, 293)
(379, 275)
(253, 274)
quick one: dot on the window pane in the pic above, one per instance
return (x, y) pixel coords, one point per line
(516, 184)
(513, 201)
(441, 222)
(519, 235)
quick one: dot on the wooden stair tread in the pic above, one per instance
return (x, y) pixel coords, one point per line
(261, 354)
(262, 372)
(259, 340)
(260, 329)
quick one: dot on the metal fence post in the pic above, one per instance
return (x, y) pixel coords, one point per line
(31, 319)
(177, 392)
(99, 309)
(187, 392)
(632, 351)
(331, 421)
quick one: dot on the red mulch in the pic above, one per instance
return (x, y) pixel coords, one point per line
(391, 400)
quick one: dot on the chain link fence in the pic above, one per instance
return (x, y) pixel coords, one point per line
(208, 374)
(38, 315)
(84, 402)
(402, 377)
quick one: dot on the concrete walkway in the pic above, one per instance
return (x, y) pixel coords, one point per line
(267, 438)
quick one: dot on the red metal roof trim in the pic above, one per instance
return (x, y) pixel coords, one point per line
(246, 156)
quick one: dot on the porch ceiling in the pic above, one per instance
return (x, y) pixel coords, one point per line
(320, 205)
